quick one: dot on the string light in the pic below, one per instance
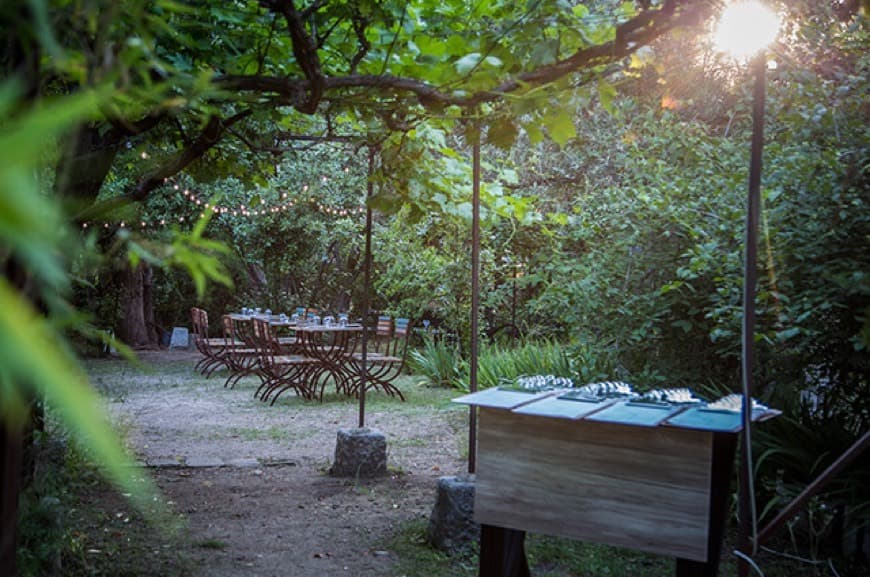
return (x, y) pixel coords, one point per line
(143, 224)
(263, 208)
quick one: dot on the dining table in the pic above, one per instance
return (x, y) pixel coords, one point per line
(331, 345)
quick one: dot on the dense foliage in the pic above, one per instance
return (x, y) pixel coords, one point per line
(614, 178)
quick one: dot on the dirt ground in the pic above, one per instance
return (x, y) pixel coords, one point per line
(253, 480)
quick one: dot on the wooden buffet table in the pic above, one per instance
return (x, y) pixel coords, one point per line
(588, 471)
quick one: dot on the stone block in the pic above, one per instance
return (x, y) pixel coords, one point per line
(451, 525)
(360, 453)
(180, 338)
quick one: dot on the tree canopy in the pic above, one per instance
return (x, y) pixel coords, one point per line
(266, 73)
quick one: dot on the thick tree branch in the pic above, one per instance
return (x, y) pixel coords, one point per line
(630, 36)
(291, 136)
(359, 23)
(210, 135)
(126, 127)
(304, 49)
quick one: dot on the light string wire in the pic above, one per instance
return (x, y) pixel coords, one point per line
(242, 210)
(748, 559)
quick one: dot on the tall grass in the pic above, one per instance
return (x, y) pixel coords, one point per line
(443, 364)
(438, 361)
(498, 363)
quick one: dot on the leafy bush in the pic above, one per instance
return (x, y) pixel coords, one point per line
(439, 361)
(41, 533)
(497, 363)
(792, 451)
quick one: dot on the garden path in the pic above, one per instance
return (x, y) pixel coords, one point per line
(252, 479)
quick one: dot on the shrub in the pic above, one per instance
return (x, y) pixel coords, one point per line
(438, 361)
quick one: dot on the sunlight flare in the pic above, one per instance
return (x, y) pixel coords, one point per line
(745, 28)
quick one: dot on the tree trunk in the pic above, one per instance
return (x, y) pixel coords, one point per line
(86, 157)
(148, 304)
(10, 477)
(16, 448)
(133, 329)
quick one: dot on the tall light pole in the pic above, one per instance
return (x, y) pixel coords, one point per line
(744, 30)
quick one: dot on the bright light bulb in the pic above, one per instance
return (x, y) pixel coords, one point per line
(745, 28)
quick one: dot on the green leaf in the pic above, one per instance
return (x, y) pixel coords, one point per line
(606, 94)
(467, 63)
(502, 133)
(545, 52)
(33, 356)
(192, 252)
(782, 336)
(534, 132)
(560, 126)
(559, 218)
(580, 11)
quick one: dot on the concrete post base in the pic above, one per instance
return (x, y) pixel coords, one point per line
(360, 453)
(451, 526)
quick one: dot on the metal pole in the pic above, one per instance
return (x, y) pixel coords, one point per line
(475, 298)
(748, 539)
(514, 304)
(367, 285)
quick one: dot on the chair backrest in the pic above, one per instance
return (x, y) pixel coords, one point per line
(300, 312)
(242, 331)
(402, 327)
(263, 342)
(194, 321)
(401, 338)
(203, 322)
(384, 327)
(311, 312)
(234, 331)
(199, 322)
(227, 325)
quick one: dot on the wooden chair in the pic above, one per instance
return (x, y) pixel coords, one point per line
(280, 372)
(240, 354)
(213, 350)
(385, 357)
(380, 338)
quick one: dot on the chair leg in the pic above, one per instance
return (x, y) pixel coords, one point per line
(263, 391)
